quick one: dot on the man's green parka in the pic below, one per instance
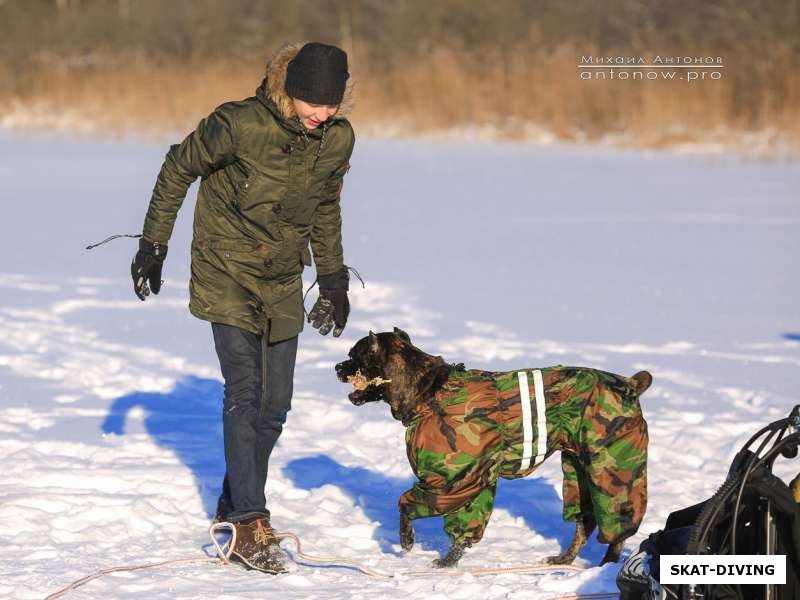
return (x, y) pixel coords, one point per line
(268, 188)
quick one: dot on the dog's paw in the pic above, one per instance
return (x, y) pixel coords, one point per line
(454, 554)
(562, 559)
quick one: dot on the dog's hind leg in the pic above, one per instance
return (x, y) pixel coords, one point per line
(583, 529)
(577, 507)
(618, 473)
(613, 553)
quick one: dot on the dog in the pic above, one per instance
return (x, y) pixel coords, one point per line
(467, 428)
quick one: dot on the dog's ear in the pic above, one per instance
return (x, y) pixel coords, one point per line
(434, 379)
(402, 334)
(374, 345)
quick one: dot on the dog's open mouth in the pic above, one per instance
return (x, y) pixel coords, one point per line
(361, 383)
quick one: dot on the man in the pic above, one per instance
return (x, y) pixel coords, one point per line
(272, 167)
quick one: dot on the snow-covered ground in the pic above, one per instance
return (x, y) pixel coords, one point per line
(499, 255)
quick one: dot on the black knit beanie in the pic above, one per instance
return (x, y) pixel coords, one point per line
(317, 74)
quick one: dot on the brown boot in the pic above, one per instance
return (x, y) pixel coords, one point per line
(257, 546)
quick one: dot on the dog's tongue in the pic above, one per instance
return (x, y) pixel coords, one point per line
(354, 395)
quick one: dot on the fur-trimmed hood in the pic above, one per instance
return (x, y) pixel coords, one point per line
(274, 85)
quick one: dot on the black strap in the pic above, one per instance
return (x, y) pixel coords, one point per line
(113, 237)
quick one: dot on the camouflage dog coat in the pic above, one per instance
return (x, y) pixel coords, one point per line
(482, 425)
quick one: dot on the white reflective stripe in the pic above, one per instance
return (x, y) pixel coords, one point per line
(541, 417)
(527, 426)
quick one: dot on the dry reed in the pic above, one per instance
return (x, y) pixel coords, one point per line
(511, 77)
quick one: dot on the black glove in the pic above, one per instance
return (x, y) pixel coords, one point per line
(146, 267)
(332, 307)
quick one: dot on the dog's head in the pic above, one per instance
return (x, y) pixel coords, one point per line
(387, 366)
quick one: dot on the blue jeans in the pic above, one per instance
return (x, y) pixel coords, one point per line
(258, 394)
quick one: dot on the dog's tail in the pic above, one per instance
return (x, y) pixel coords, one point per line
(642, 380)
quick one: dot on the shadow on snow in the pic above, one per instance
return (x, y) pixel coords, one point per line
(186, 421)
(534, 500)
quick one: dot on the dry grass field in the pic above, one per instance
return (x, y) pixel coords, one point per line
(510, 69)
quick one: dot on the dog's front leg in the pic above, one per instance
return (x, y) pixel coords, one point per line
(406, 531)
(452, 557)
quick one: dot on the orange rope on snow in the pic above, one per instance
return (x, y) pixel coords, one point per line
(224, 552)
(88, 578)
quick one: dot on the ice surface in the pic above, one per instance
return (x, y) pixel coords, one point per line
(499, 255)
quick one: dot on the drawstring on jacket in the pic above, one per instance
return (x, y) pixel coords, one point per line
(321, 144)
(113, 237)
(321, 141)
(311, 287)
